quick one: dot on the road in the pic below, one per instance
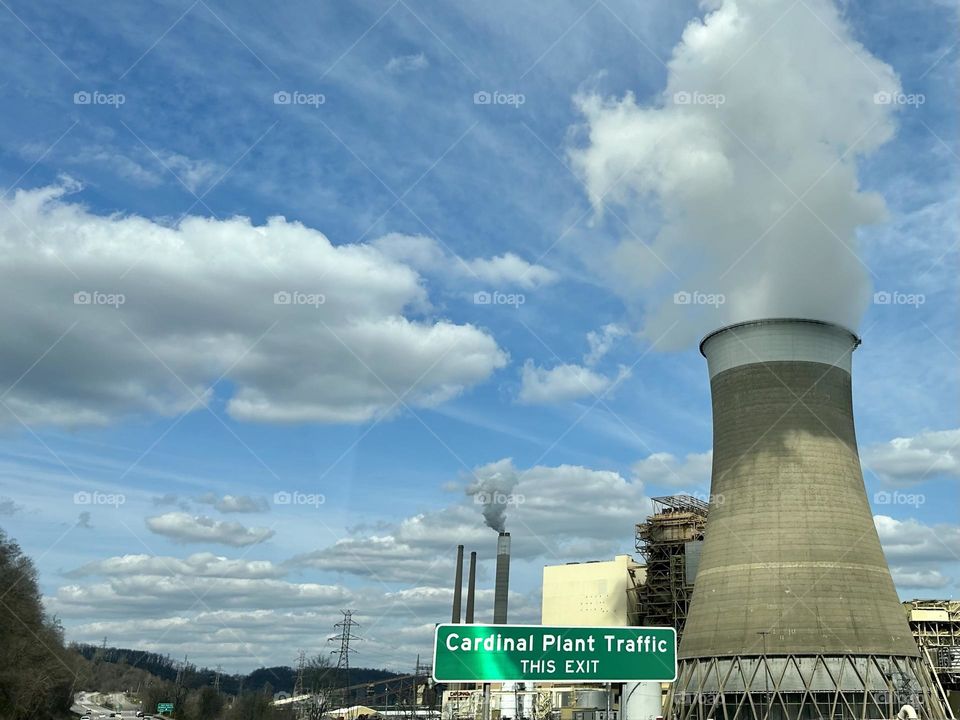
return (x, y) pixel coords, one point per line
(84, 705)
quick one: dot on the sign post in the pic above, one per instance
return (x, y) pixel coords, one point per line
(500, 653)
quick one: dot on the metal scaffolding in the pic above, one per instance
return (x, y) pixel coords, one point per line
(669, 542)
(936, 626)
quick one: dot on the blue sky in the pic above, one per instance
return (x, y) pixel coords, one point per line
(397, 196)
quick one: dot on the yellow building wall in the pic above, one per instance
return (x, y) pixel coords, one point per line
(593, 593)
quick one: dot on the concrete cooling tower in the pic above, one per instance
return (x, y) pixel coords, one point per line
(794, 614)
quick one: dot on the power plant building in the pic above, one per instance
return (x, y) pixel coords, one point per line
(591, 593)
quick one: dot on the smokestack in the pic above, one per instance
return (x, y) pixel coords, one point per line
(471, 587)
(458, 585)
(793, 596)
(502, 586)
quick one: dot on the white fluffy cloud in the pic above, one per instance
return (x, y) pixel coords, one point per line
(690, 472)
(601, 342)
(198, 564)
(303, 329)
(428, 256)
(186, 528)
(907, 460)
(748, 163)
(235, 503)
(569, 381)
(910, 541)
(562, 383)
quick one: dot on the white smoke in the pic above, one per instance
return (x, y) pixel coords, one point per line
(745, 168)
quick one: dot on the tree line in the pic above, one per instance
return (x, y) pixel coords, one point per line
(40, 673)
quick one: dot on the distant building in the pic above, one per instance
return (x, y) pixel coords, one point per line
(599, 593)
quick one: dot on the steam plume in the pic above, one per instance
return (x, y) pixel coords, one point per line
(746, 168)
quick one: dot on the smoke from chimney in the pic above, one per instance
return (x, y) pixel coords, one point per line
(492, 488)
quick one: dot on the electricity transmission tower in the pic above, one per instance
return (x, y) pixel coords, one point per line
(298, 685)
(345, 627)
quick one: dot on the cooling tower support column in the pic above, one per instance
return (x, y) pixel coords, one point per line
(794, 614)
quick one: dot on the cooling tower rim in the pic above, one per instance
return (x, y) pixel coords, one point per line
(778, 321)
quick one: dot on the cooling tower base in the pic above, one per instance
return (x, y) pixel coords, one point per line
(803, 687)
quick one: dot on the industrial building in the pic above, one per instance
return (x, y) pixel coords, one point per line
(782, 599)
(592, 593)
(936, 628)
(669, 541)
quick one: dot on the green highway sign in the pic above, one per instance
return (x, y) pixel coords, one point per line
(496, 653)
(164, 707)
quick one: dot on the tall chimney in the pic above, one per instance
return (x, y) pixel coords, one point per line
(502, 583)
(458, 585)
(794, 613)
(471, 587)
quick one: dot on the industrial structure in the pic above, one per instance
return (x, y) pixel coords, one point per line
(794, 613)
(501, 589)
(593, 593)
(936, 628)
(669, 541)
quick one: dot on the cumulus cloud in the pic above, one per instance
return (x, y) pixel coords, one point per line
(562, 383)
(907, 460)
(197, 565)
(923, 579)
(510, 269)
(601, 342)
(690, 472)
(382, 558)
(132, 595)
(235, 503)
(428, 256)
(130, 316)
(546, 518)
(748, 164)
(401, 64)
(912, 542)
(186, 528)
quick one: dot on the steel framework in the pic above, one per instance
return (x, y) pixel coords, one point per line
(804, 687)
(664, 597)
(936, 626)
